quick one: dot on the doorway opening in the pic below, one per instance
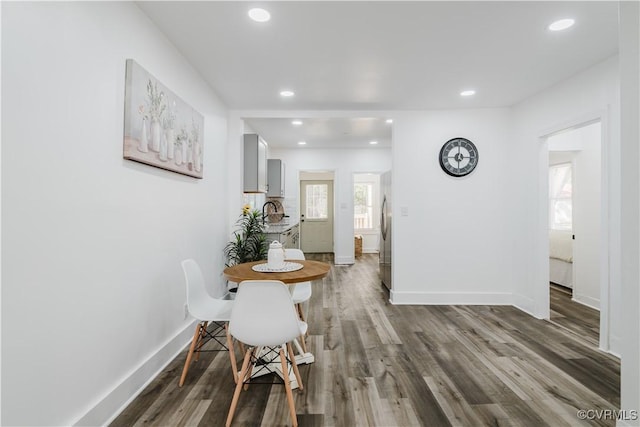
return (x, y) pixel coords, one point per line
(575, 212)
(366, 213)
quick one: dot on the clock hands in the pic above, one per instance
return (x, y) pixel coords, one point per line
(461, 161)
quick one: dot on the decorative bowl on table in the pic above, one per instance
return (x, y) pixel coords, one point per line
(288, 266)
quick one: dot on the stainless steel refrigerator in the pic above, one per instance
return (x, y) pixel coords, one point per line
(385, 229)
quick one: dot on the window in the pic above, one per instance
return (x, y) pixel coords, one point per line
(363, 205)
(560, 193)
(317, 202)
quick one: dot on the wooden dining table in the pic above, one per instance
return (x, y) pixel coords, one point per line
(311, 270)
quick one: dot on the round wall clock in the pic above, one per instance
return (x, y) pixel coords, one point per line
(458, 157)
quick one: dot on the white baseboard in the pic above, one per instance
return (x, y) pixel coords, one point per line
(106, 409)
(525, 304)
(450, 298)
(345, 260)
(588, 301)
(615, 344)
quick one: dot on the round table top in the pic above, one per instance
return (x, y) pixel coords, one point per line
(311, 270)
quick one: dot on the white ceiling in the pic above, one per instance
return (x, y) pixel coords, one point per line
(364, 55)
(324, 132)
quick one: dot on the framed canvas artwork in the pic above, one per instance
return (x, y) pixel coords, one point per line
(160, 129)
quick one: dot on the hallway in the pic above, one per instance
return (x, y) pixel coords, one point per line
(383, 365)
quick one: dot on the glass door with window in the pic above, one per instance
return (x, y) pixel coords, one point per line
(316, 216)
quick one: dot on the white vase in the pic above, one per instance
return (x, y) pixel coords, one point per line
(198, 158)
(143, 144)
(156, 133)
(276, 256)
(163, 147)
(171, 143)
(190, 157)
(184, 150)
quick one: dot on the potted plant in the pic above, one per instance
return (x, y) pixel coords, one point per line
(249, 242)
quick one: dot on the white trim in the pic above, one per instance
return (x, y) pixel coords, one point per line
(450, 298)
(527, 305)
(343, 260)
(616, 342)
(106, 409)
(585, 300)
(541, 283)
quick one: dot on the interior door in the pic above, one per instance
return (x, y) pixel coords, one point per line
(316, 216)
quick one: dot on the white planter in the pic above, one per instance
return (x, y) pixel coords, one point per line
(156, 133)
(163, 148)
(143, 143)
(198, 158)
(184, 150)
(171, 143)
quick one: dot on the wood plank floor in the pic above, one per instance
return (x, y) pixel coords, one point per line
(576, 317)
(383, 365)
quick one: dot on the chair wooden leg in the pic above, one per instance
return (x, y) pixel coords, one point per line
(194, 341)
(236, 393)
(295, 366)
(302, 340)
(255, 352)
(303, 344)
(232, 354)
(202, 335)
(287, 387)
(301, 312)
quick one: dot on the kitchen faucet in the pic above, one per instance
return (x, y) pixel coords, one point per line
(264, 206)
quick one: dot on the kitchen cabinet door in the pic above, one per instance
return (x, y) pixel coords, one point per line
(255, 164)
(275, 173)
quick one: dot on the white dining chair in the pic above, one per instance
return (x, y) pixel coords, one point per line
(264, 316)
(206, 310)
(301, 291)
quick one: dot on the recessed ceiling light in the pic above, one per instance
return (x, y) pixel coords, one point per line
(287, 93)
(469, 92)
(561, 24)
(373, 142)
(296, 122)
(302, 143)
(259, 15)
(389, 121)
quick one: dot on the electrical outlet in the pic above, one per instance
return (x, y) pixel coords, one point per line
(186, 311)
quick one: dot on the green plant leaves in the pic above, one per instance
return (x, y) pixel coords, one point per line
(249, 243)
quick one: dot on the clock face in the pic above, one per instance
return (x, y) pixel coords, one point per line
(458, 157)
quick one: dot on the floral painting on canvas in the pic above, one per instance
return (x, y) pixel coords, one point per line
(160, 129)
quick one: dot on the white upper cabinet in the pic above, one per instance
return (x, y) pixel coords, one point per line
(255, 164)
(275, 172)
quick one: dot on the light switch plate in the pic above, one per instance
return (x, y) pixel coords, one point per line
(404, 210)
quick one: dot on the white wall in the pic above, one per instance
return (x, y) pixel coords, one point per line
(586, 209)
(344, 163)
(92, 289)
(630, 135)
(592, 94)
(454, 244)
